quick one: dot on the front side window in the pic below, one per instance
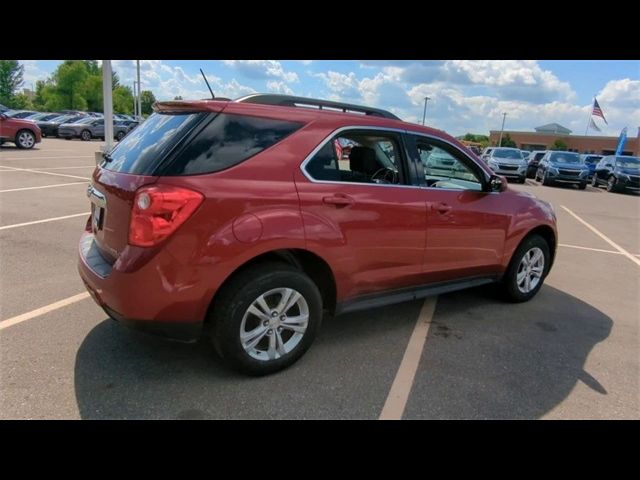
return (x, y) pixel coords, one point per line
(358, 157)
(444, 170)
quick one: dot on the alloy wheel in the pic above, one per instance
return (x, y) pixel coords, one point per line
(530, 270)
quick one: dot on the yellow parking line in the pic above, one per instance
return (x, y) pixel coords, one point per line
(603, 236)
(401, 387)
(42, 310)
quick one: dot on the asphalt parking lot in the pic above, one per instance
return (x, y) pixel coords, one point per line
(573, 352)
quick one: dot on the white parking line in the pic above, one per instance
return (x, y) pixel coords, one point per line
(11, 159)
(42, 310)
(589, 248)
(603, 236)
(46, 173)
(4, 168)
(54, 219)
(44, 186)
(401, 387)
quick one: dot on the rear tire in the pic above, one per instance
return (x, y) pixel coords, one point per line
(612, 184)
(120, 136)
(582, 186)
(233, 314)
(25, 139)
(594, 182)
(512, 286)
(85, 135)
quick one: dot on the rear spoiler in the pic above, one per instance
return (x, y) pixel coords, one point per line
(190, 106)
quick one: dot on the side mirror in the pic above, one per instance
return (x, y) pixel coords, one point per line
(497, 183)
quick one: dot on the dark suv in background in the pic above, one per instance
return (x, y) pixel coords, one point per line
(618, 173)
(564, 168)
(532, 162)
(590, 160)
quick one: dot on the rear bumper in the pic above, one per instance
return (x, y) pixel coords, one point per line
(151, 299)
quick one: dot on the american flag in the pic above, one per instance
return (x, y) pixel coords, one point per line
(597, 111)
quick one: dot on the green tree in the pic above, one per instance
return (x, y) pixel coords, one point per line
(70, 79)
(11, 79)
(147, 99)
(123, 100)
(507, 141)
(559, 144)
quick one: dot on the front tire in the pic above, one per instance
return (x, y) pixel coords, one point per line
(120, 136)
(25, 139)
(582, 186)
(266, 318)
(612, 184)
(528, 268)
(545, 179)
(594, 182)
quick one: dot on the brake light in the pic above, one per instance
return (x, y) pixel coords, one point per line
(158, 211)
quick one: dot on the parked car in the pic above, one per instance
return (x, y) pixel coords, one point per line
(239, 214)
(618, 173)
(4, 109)
(49, 128)
(42, 116)
(507, 162)
(20, 113)
(486, 153)
(533, 161)
(24, 133)
(562, 167)
(590, 161)
(90, 127)
(129, 124)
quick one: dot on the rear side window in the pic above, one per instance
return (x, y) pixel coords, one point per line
(228, 140)
(144, 148)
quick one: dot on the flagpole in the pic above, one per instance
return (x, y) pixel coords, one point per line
(589, 119)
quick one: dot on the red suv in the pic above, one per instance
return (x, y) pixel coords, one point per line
(24, 133)
(243, 216)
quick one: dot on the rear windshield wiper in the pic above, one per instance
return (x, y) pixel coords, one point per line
(107, 157)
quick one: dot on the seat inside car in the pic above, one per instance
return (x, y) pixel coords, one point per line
(363, 163)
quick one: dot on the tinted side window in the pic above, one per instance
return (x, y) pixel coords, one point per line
(143, 150)
(228, 140)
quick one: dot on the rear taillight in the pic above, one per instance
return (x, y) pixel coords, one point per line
(158, 211)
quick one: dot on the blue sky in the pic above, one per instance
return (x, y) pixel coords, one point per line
(466, 96)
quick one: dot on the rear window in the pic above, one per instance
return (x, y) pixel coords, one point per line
(228, 140)
(143, 149)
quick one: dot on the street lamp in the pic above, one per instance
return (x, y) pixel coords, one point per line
(504, 115)
(424, 114)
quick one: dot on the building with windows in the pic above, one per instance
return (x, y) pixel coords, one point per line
(545, 136)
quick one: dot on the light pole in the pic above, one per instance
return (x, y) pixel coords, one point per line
(139, 90)
(108, 104)
(504, 116)
(135, 104)
(424, 114)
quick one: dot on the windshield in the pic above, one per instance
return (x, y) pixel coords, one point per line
(628, 162)
(82, 121)
(507, 153)
(60, 119)
(564, 157)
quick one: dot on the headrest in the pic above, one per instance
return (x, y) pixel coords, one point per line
(363, 159)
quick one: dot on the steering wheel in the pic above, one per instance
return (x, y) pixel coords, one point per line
(385, 175)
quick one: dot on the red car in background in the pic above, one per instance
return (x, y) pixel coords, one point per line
(24, 133)
(245, 217)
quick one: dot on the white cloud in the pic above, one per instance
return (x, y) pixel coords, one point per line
(279, 87)
(260, 69)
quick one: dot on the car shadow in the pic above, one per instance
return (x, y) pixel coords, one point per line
(506, 360)
(486, 359)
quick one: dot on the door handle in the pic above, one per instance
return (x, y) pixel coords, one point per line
(338, 200)
(442, 208)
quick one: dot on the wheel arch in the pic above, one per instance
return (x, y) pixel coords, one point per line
(306, 261)
(547, 233)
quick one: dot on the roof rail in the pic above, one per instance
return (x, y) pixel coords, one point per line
(293, 101)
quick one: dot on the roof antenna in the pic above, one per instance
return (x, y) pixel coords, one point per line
(208, 86)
